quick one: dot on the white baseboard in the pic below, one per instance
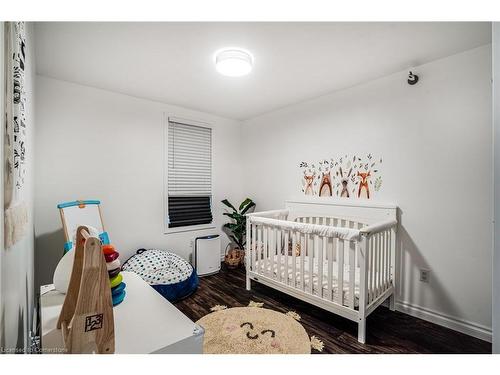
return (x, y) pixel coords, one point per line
(457, 324)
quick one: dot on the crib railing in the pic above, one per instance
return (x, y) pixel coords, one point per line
(380, 242)
(338, 260)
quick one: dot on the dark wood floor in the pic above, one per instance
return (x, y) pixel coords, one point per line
(387, 332)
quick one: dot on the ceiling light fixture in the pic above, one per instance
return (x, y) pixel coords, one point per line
(233, 62)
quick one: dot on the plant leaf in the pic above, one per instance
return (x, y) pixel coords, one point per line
(249, 206)
(226, 202)
(233, 215)
(230, 226)
(244, 203)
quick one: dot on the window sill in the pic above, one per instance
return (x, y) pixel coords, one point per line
(192, 228)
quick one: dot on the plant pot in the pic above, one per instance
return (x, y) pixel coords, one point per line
(234, 258)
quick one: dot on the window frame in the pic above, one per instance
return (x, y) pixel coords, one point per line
(190, 228)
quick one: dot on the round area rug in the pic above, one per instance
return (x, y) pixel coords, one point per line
(253, 330)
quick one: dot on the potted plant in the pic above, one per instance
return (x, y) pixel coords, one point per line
(237, 231)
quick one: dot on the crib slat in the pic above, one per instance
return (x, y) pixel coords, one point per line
(321, 251)
(266, 258)
(300, 241)
(335, 249)
(303, 250)
(259, 245)
(377, 273)
(388, 262)
(294, 260)
(311, 262)
(384, 275)
(352, 272)
(278, 252)
(285, 249)
(388, 259)
(340, 272)
(253, 247)
(379, 264)
(394, 276)
(382, 262)
(358, 226)
(276, 260)
(272, 251)
(375, 266)
(368, 273)
(382, 241)
(370, 268)
(330, 269)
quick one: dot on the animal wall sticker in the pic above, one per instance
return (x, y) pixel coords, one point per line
(363, 185)
(309, 180)
(345, 182)
(325, 188)
(346, 176)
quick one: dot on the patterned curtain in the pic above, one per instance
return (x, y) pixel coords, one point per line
(16, 213)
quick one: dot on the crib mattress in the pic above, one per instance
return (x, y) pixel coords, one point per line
(261, 267)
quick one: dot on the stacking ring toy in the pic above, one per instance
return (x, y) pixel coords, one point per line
(108, 249)
(115, 281)
(114, 264)
(118, 298)
(114, 272)
(118, 289)
(111, 257)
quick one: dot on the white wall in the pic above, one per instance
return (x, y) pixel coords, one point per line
(16, 272)
(95, 144)
(496, 172)
(435, 139)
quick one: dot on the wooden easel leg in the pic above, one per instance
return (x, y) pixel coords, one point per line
(106, 347)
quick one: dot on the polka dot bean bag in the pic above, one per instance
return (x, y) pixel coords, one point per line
(169, 274)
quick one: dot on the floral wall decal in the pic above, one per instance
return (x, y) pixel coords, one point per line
(346, 176)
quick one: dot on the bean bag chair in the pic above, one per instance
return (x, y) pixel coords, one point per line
(169, 274)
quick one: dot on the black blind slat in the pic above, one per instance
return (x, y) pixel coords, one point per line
(185, 211)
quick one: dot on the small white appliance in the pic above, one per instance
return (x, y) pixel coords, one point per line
(207, 256)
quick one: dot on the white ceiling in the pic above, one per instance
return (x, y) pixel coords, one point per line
(173, 62)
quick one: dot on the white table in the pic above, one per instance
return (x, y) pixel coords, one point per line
(145, 322)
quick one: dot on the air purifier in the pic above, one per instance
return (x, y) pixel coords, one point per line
(207, 255)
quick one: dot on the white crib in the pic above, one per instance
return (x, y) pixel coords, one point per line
(338, 255)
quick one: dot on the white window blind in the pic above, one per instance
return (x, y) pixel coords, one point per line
(189, 174)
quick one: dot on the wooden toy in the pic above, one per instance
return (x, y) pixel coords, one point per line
(73, 215)
(81, 212)
(86, 318)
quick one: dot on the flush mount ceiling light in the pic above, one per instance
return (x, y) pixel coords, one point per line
(233, 62)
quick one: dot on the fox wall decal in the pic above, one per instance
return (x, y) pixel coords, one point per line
(325, 188)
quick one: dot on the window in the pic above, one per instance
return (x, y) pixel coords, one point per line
(189, 174)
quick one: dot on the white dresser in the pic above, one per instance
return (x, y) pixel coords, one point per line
(145, 322)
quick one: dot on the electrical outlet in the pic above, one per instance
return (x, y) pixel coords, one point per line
(424, 275)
